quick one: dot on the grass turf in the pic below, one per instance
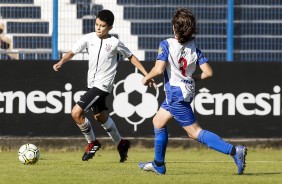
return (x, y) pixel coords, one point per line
(183, 166)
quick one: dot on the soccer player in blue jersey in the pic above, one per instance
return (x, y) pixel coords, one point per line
(177, 60)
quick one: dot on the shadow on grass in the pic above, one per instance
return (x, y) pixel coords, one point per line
(259, 174)
(209, 173)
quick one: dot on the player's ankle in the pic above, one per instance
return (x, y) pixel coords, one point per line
(159, 164)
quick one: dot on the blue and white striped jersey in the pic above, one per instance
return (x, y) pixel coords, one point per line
(182, 60)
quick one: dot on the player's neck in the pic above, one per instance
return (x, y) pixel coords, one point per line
(105, 36)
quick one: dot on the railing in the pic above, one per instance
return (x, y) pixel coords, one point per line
(252, 34)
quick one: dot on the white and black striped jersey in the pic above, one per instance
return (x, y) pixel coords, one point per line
(103, 61)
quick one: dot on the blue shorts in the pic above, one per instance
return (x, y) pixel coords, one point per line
(181, 111)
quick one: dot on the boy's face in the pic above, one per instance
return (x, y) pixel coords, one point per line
(101, 28)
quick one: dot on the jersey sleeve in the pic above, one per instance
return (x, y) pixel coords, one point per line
(123, 50)
(163, 51)
(201, 59)
(80, 45)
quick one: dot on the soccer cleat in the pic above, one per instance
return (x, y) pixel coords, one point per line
(151, 166)
(240, 158)
(91, 149)
(122, 148)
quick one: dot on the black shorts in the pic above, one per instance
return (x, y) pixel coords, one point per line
(95, 99)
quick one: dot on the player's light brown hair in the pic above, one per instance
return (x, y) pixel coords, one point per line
(184, 23)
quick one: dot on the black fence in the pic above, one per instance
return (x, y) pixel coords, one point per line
(242, 100)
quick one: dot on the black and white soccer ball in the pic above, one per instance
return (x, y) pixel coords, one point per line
(28, 154)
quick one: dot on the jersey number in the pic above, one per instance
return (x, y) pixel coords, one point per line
(183, 65)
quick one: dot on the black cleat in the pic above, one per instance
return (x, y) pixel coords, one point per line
(91, 149)
(123, 147)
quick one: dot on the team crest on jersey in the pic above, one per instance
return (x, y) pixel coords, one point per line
(160, 50)
(108, 47)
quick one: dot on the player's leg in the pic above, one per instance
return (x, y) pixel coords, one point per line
(161, 138)
(161, 135)
(183, 114)
(215, 142)
(83, 123)
(85, 102)
(86, 129)
(109, 126)
(210, 139)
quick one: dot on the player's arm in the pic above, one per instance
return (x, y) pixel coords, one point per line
(137, 64)
(207, 72)
(157, 70)
(160, 63)
(140, 67)
(66, 58)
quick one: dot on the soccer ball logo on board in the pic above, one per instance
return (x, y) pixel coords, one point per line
(135, 103)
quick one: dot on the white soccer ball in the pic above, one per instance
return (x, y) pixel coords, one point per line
(28, 154)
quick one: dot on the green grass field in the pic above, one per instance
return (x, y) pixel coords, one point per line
(183, 166)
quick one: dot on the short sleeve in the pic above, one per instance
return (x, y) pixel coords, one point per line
(80, 45)
(123, 50)
(201, 59)
(163, 51)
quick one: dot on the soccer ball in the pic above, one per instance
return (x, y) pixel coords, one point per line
(28, 154)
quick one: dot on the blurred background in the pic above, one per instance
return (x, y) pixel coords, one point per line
(240, 30)
(242, 40)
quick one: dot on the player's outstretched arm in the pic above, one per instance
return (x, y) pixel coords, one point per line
(133, 59)
(66, 58)
(158, 69)
(140, 67)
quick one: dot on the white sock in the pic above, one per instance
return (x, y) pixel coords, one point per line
(112, 131)
(87, 131)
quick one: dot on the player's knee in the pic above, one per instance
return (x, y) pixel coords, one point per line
(155, 119)
(192, 135)
(157, 122)
(76, 115)
(193, 131)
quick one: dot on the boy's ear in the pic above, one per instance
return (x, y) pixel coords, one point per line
(111, 27)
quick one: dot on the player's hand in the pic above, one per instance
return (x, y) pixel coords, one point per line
(57, 66)
(150, 82)
(145, 81)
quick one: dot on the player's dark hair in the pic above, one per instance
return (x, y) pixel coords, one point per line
(184, 23)
(106, 16)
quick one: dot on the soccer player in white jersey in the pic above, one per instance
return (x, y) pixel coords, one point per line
(102, 67)
(177, 60)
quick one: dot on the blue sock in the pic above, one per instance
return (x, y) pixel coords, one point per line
(215, 142)
(161, 138)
